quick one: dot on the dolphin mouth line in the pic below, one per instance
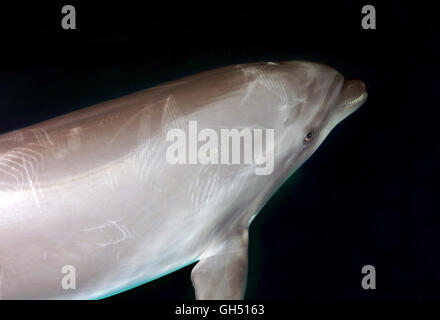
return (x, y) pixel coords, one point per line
(355, 100)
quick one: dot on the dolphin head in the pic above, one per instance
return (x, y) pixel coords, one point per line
(323, 100)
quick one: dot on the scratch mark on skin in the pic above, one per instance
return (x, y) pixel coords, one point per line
(269, 81)
(148, 155)
(112, 178)
(18, 176)
(207, 191)
(23, 164)
(42, 137)
(10, 268)
(14, 136)
(12, 175)
(145, 157)
(34, 194)
(279, 90)
(23, 150)
(47, 137)
(249, 89)
(128, 122)
(37, 137)
(19, 155)
(74, 138)
(107, 119)
(172, 118)
(126, 234)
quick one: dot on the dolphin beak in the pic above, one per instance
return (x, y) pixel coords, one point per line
(352, 93)
(351, 96)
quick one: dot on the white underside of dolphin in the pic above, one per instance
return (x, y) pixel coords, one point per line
(93, 189)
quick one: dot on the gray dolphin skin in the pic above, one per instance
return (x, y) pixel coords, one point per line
(94, 191)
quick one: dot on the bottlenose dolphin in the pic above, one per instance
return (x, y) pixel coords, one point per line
(94, 194)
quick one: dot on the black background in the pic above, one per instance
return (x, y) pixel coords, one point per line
(367, 196)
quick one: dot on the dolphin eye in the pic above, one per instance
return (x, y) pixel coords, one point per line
(308, 137)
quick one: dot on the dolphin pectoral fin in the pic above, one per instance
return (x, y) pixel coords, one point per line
(223, 276)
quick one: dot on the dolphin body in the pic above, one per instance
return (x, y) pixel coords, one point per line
(92, 191)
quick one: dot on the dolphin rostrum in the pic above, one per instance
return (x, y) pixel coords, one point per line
(106, 198)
